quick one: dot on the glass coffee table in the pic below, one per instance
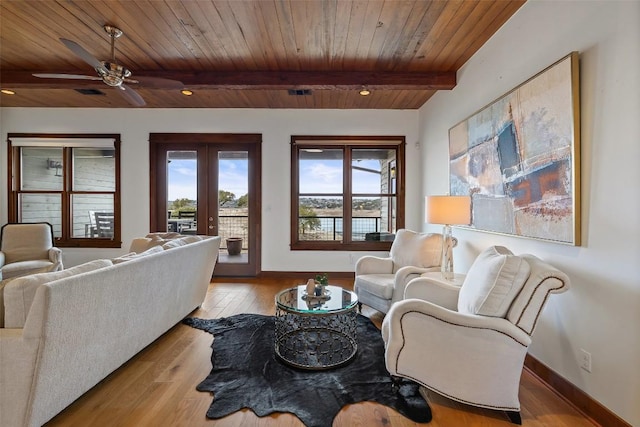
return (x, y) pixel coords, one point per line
(316, 332)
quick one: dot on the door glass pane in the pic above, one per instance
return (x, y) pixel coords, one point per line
(94, 169)
(233, 205)
(373, 171)
(373, 218)
(182, 191)
(41, 169)
(41, 208)
(84, 208)
(320, 218)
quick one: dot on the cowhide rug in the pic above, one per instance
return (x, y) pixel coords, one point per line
(247, 374)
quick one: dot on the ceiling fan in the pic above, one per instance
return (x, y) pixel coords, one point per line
(112, 73)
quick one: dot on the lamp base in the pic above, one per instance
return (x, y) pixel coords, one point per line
(446, 265)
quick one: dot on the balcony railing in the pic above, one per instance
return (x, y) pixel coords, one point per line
(330, 227)
(311, 228)
(233, 226)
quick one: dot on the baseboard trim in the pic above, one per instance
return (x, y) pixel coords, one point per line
(573, 395)
(306, 274)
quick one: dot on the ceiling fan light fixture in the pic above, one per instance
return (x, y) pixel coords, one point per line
(7, 92)
(114, 32)
(364, 91)
(111, 73)
(186, 92)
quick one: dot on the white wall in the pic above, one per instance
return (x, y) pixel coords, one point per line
(276, 127)
(601, 312)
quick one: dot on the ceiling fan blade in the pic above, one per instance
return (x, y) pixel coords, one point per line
(66, 76)
(131, 95)
(82, 53)
(159, 82)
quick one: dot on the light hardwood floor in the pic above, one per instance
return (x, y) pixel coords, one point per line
(157, 387)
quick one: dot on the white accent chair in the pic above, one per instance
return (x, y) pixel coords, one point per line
(27, 248)
(469, 343)
(380, 282)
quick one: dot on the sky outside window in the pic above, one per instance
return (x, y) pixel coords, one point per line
(182, 178)
(316, 176)
(325, 176)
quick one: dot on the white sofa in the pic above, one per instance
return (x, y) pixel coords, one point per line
(85, 322)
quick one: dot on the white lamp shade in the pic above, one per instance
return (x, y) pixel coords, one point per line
(448, 210)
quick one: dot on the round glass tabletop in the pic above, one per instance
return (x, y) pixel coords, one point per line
(335, 299)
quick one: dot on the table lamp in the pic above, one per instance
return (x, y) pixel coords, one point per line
(448, 210)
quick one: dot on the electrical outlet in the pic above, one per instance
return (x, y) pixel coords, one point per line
(585, 360)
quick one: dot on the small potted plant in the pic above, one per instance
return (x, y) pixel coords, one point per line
(321, 280)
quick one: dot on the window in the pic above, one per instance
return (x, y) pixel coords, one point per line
(347, 192)
(71, 181)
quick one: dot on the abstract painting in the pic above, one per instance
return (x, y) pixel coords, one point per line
(518, 158)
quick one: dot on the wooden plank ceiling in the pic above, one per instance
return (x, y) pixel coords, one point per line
(245, 54)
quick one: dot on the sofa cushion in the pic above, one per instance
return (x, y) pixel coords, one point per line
(19, 292)
(134, 255)
(3, 283)
(492, 283)
(21, 268)
(380, 285)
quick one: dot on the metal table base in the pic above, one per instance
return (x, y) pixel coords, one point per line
(315, 339)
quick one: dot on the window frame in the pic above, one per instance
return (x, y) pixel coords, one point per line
(66, 193)
(347, 144)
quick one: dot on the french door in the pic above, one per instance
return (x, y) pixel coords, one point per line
(209, 184)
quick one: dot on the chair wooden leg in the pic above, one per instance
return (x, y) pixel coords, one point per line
(514, 417)
(360, 307)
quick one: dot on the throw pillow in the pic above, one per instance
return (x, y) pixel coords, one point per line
(19, 292)
(134, 255)
(164, 235)
(192, 238)
(492, 283)
(184, 240)
(174, 243)
(141, 244)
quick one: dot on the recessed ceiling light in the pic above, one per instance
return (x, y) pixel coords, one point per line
(299, 92)
(89, 91)
(7, 92)
(186, 92)
(364, 91)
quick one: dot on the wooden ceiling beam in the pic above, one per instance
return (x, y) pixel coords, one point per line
(234, 80)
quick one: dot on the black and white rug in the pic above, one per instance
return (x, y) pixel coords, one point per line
(246, 374)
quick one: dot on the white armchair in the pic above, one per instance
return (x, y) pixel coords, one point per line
(27, 248)
(469, 343)
(379, 282)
